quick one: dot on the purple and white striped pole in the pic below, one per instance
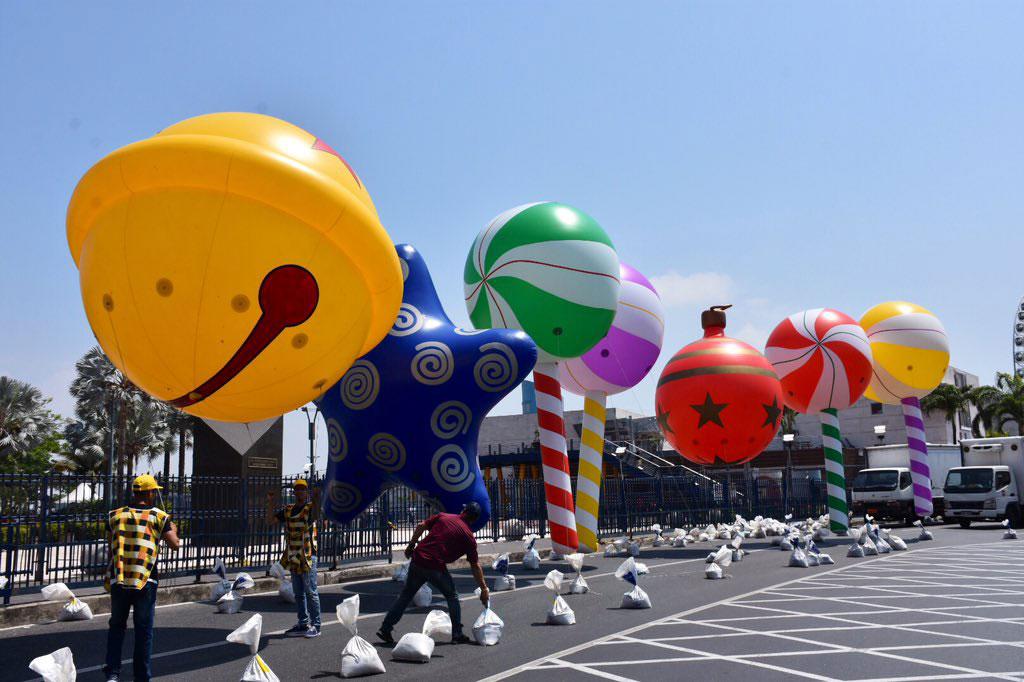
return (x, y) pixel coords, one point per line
(919, 472)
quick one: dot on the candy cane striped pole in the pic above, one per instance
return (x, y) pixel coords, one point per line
(919, 471)
(835, 473)
(557, 484)
(588, 483)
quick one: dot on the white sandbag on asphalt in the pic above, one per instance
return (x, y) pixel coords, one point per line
(423, 596)
(679, 541)
(438, 626)
(786, 545)
(719, 560)
(634, 549)
(635, 598)
(56, 667)
(359, 657)
(285, 591)
(248, 633)
(531, 559)
(1008, 533)
(74, 609)
(222, 586)
(925, 534)
(641, 569)
(855, 550)
(503, 582)
(897, 543)
(559, 613)
(401, 573)
(713, 572)
(230, 602)
(488, 628)
(578, 584)
(657, 542)
(418, 647)
(798, 559)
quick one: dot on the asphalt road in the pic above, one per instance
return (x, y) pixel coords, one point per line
(957, 601)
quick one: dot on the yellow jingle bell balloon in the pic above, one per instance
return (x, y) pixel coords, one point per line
(232, 265)
(910, 351)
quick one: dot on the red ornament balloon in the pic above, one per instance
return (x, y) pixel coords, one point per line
(718, 399)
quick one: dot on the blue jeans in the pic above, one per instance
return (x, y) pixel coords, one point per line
(143, 604)
(304, 586)
(442, 582)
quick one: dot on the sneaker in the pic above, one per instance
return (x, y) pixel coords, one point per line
(296, 629)
(385, 636)
(113, 678)
(312, 632)
(459, 638)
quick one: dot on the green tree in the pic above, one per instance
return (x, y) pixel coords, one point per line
(950, 400)
(999, 405)
(789, 421)
(83, 452)
(27, 428)
(102, 391)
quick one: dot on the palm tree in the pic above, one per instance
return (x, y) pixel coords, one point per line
(950, 400)
(789, 421)
(83, 452)
(1001, 404)
(101, 391)
(25, 420)
(146, 431)
(180, 424)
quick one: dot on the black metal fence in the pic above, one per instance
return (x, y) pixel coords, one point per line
(52, 527)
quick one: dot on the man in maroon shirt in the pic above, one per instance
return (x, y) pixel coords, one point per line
(450, 537)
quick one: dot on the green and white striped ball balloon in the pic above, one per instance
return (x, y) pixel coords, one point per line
(548, 269)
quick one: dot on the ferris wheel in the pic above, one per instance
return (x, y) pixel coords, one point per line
(1018, 340)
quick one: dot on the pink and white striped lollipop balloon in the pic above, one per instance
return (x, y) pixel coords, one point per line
(628, 352)
(823, 359)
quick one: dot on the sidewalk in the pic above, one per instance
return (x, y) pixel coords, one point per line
(30, 608)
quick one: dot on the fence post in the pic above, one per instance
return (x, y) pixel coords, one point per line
(385, 527)
(244, 529)
(542, 506)
(661, 501)
(496, 509)
(44, 518)
(623, 509)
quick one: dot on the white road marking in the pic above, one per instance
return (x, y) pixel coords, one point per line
(945, 563)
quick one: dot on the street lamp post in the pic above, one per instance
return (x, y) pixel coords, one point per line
(312, 438)
(787, 442)
(880, 433)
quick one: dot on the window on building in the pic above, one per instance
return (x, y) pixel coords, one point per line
(876, 408)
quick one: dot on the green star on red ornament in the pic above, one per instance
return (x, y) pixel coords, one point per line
(773, 411)
(710, 411)
(663, 420)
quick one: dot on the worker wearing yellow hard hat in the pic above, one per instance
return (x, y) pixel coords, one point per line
(299, 556)
(134, 533)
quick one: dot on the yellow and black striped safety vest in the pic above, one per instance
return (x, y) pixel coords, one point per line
(298, 554)
(135, 541)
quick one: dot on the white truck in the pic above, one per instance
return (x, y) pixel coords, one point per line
(885, 490)
(990, 484)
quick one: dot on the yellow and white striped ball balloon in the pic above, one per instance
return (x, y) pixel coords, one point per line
(910, 350)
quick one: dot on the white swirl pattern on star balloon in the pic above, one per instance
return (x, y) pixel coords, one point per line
(433, 363)
(451, 469)
(337, 444)
(360, 385)
(343, 497)
(450, 419)
(409, 321)
(497, 370)
(386, 452)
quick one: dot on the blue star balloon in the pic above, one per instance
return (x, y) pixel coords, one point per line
(409, 411)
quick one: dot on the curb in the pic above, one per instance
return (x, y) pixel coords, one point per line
(39, 612)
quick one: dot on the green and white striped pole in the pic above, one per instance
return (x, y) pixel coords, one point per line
(835, 476)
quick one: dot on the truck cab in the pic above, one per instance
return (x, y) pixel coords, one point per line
(885, 493)
(989, 486)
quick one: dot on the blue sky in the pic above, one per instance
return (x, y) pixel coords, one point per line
(778, 157)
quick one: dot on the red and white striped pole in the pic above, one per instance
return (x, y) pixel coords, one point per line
(557, 484)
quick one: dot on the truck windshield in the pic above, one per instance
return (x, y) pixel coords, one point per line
(969, 481)
(875, 481)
